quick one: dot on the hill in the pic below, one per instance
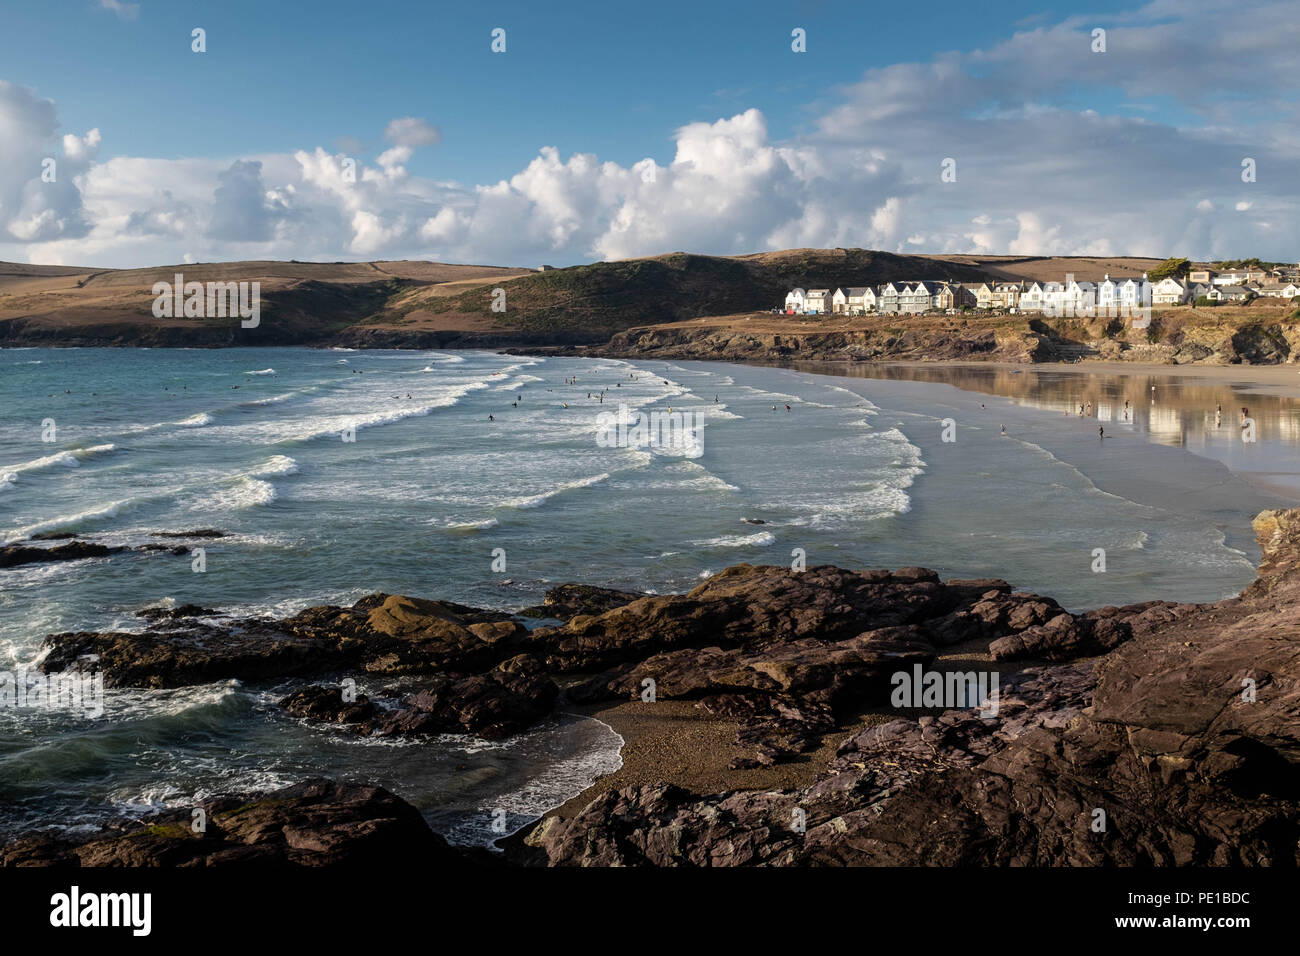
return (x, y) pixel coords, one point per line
(429, 304)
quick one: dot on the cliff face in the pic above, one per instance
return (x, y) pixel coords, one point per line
(730, 344)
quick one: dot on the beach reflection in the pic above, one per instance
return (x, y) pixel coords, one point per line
(1200, 414)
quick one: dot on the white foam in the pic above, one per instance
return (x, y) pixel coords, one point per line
(71, 458)
(59, 522)
(759, 540)
(535, 501)
(265, 371)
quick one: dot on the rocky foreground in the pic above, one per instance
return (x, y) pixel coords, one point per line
(1153, 734)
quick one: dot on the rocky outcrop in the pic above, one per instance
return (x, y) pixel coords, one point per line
(1179, 746)
(316, 823)
(15, 555)
(569, 600)
(957, 341)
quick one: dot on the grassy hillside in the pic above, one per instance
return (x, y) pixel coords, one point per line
(430, 304)
(604, 298)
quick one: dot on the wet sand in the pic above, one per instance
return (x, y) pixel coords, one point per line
(671, 741)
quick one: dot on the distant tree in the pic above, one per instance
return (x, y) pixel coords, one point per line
(1178, 268)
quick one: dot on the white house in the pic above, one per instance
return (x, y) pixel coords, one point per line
(796, 301)
(1240, 277)
(840, 301)
(915, 297)
(862, 300)
(1279, 290)
(1080, 298)
(1169, 291)
(818, 302)
(1031, 300)
(888, 300)
(1227, 293)
(1134, 294)
(1108, 296)
(1053, 298)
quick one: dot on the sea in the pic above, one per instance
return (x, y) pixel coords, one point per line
(487, 478)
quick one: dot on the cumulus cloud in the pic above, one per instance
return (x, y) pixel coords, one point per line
(1035, 173)
(240, 212)
(39, 194)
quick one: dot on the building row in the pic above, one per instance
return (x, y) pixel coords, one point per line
(1071, 297)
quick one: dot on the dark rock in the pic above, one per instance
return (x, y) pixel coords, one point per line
(327, 704)
(569, 600)
(199, 533)
(316, 823)
(505, 700)
(174, 613)
(14, 555)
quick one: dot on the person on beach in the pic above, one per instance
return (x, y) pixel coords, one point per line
(1101, 432)
(491, 419)
(1004, 429)
(787, 408)
(1089, 412)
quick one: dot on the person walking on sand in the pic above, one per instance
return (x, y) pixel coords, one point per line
(1101, 432)
(1088, 414)
(491, 419)
(787, 408)
(1004, 429)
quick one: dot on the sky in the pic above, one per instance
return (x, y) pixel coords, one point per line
(390, 129)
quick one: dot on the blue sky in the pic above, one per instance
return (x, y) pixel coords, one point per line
(619, 83)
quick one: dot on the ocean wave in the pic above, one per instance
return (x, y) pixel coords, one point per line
(273, 466)
(535, 501)
(265, 371)
(760, 539)
(245, 492)
(68, 521)
(454, 525)
(323, 426)
(272, 400)
(70, 458)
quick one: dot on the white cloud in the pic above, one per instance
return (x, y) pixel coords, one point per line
(412, 131)
(1034, 176)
